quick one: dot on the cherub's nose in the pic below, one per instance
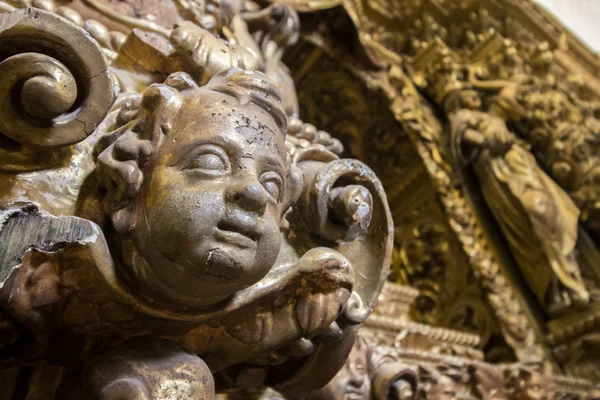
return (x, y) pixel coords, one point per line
(249, 194)
(356, 379)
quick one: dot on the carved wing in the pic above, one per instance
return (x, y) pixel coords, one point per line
(343, 205)
(54, 300)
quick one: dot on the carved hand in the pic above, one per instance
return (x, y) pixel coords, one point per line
(473, 137)
(317, 311)
(280, 21)
(206, 54)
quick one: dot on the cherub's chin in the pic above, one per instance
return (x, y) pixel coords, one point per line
(222, 262)
(355, 396)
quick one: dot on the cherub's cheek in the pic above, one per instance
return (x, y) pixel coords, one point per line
(270, 238)
(271, 221)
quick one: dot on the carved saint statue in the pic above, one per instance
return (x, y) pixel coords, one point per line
(536, 216)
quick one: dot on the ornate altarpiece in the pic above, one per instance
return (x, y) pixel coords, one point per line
(203, 197)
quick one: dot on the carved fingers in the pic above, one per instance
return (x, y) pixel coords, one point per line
(500, 140)
(473, 137)
(253, 328)
(332, 277)
(316, 312)
(206, 54)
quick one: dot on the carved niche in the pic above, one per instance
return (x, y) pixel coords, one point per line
(495, 104)
(427, 255)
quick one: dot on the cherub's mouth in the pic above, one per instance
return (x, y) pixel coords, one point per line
(353, 395)
(236, 235)
(234, 238)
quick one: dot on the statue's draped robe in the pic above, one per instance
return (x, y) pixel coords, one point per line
(538, 219)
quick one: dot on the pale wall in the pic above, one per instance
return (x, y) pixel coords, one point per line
(582, 17)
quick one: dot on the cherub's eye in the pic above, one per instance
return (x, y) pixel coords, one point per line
(272, 183)
(209, 159)
(210, 162)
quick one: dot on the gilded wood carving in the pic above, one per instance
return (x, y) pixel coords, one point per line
(188, 209)
(170, 229)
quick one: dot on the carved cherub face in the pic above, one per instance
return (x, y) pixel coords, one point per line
(462, 99)
(213, 200)
(444, 389)
(355, 382)
(470, 99)
(352, 382)
(207, 220)
(532, 389)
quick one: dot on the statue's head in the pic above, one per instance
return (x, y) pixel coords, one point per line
(465, 98)
(197, 183)
(528, 384)
(444, 389)
(353, 381)
(438, 385)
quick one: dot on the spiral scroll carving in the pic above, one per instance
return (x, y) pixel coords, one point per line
(56, 86)
(344, 212)
(347, 206)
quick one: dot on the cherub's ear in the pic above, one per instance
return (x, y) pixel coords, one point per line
(120, 167)
(295, 181)
(119, 173)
